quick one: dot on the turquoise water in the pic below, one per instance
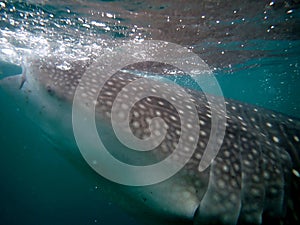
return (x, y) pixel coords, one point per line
(256, 64)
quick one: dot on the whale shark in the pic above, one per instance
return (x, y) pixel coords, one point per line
(254, 178)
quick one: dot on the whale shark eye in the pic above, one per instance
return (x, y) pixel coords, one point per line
(50, 90)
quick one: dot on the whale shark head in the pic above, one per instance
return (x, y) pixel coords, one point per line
(247, 182)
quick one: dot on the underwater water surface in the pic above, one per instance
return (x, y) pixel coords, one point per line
(252, 48)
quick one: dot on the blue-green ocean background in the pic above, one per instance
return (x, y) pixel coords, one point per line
(39, 186)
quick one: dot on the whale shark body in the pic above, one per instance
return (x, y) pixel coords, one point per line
(254, 178)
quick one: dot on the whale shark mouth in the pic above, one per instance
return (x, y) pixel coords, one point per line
(18, 79)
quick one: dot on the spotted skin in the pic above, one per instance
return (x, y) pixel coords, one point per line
(251, 180)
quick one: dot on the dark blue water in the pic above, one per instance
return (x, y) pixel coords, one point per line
(252, 49)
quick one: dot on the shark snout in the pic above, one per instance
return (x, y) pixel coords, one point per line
(13, 82)
(9, 69)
